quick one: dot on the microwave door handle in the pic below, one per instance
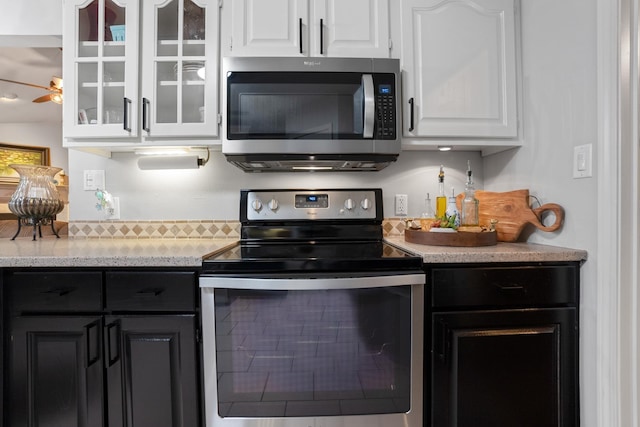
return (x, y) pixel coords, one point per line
(369, 106)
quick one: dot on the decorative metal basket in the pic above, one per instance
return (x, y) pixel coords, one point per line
(36, 200)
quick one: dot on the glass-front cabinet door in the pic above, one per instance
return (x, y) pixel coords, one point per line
(179, 68)
(101, 68)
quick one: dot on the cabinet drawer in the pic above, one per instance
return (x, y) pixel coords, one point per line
(150, 291)
(54, 291)
(504, 286)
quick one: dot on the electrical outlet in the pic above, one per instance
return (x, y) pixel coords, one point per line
(402, 204)
(114, 211)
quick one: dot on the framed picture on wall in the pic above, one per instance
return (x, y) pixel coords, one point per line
(20, 154)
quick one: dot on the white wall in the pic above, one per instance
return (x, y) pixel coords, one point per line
(212, 192)
(560, 112)
(32, 23)
(38, 135)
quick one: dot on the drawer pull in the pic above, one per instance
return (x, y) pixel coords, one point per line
(60, 291)
(150, 292)
(511, 288)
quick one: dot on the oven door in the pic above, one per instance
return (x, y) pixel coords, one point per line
(323, 351)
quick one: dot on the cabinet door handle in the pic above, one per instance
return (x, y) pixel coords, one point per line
(92, 332)
(411, 115)
(146, 111)
(440, 341)
(113, 342)
(127, 115)
(321, 37)
(300, 33)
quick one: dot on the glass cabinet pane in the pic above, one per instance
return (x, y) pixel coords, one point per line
(101, 22)
(88, 26)
(114, 30)
(167, 24)
(193, 21)
(193, 73)
(166, 110)
(113, 92)
(87, 77)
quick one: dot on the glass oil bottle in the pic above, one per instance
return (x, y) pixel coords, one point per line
(441, 200)
(428, 215)
(469, 204)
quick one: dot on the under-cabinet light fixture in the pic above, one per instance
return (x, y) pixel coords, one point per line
(312, 168)
(171, 158)
(444, 147)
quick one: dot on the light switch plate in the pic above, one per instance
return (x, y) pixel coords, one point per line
(583, 161)
(93, 180)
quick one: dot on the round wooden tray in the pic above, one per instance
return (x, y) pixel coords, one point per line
(460, 238)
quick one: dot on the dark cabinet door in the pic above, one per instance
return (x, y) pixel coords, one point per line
(2, 338)
(55, 372)
(504, 368)
(152, 371)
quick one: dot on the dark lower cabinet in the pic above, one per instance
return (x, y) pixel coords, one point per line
(55, 372)
(504, 346)
(102, 349)
(2, 339)
(151, 371)
(504, 368)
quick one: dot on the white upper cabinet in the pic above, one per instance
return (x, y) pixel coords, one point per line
(459, 68)
(334, 28)
(137, 71)
(100, 66)
(179, 68)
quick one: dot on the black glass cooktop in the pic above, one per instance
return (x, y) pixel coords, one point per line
(344, 256)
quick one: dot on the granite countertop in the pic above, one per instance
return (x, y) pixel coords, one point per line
(502, 252)
(69, 252)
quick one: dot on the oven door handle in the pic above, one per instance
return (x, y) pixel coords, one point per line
(369, 106)
(311, 283)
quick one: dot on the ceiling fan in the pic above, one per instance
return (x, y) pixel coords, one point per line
(55, 90)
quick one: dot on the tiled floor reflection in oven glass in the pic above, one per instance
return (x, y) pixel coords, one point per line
(313, 352)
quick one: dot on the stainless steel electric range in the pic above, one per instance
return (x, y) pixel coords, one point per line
(312, 319)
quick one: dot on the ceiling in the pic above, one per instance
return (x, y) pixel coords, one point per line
(29, 65)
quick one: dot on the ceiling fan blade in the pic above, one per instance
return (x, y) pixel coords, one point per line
(43, 98)
(25, 84)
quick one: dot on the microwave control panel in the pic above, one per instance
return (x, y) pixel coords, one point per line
(385, 97)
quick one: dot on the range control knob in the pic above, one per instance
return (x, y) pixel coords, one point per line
(365, 204)
(256, 205)
(273, 204)
(349, 204)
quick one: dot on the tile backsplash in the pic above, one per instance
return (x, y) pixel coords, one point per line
(210, 229)
(155, 229)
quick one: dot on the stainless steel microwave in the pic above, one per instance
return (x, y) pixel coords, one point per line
(320, 114)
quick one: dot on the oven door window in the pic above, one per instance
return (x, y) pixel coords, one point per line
(295, 105)
(313, 352)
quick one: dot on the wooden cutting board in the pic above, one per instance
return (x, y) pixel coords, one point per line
(513, 212)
